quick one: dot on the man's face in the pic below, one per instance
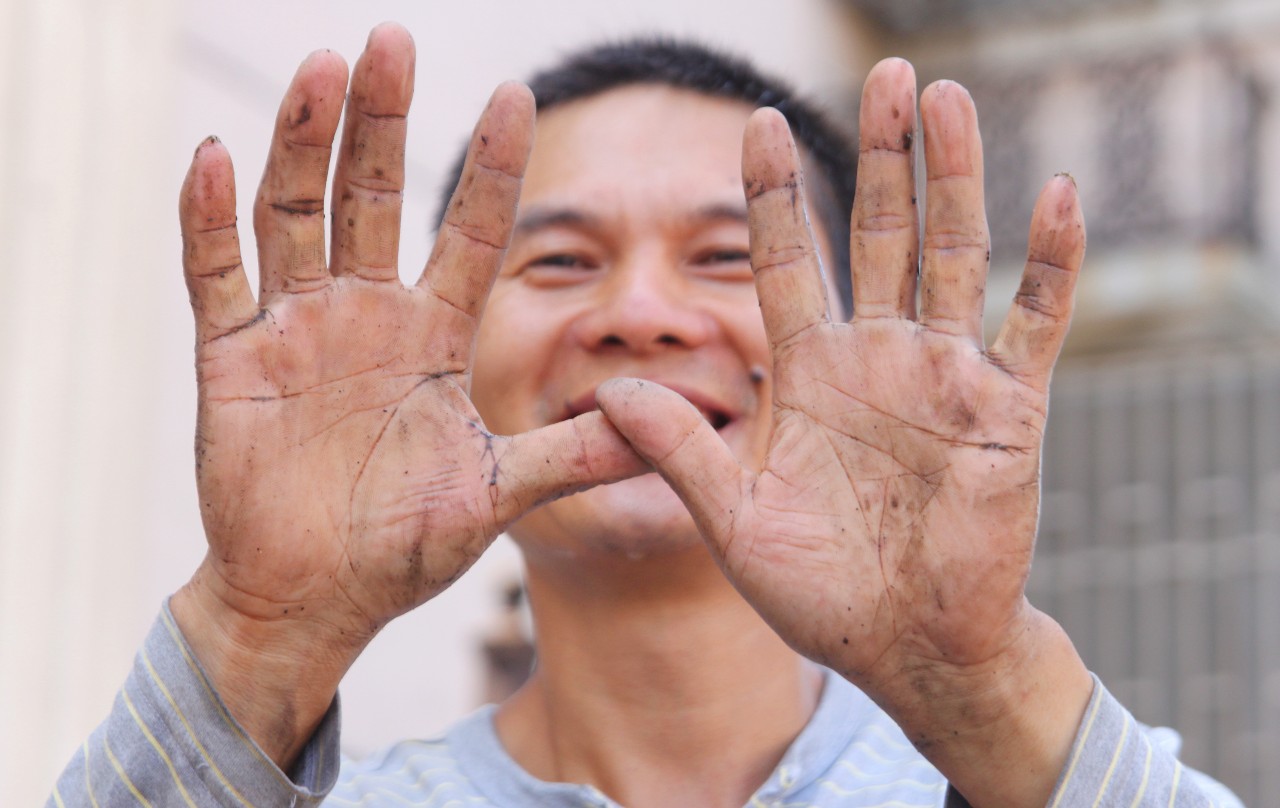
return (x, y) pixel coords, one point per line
(629, 259)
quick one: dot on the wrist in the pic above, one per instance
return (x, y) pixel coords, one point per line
(276, 675)
(1001, 732)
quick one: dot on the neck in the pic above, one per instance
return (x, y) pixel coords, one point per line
(651, 674)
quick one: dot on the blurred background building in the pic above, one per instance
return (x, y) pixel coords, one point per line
(1160, 545)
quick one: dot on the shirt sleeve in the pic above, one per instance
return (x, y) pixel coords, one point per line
(169, 740)
(1117, 761)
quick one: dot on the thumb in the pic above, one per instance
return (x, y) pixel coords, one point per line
(670, 433)
(561, 459)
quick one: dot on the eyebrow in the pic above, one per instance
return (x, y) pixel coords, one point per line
(547, 218)
(719, 212)
(555, 217)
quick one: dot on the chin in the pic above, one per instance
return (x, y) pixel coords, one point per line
(636, 519)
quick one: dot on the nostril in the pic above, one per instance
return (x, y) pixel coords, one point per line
(613, 340)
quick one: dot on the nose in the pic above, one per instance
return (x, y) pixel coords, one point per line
(644, 306)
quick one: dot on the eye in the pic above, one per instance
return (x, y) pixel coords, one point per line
(724, 257)
(559, 260)
(723, 263)
(555, 269)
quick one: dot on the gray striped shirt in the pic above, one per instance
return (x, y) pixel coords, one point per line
(169, 741)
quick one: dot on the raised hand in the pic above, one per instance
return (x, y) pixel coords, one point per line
(344, 475)
(890, 530)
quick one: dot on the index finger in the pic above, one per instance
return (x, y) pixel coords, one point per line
(477, 224)
(787, 269)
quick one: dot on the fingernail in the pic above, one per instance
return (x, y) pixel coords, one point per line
(209, 141)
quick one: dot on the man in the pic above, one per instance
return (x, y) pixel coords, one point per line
(867, 490)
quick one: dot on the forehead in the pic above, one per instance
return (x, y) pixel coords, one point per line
(636, 149)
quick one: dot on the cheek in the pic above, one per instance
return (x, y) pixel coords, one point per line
(746, 330)
(513, 348)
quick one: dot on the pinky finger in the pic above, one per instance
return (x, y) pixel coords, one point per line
(1033, 332)
(220, 295)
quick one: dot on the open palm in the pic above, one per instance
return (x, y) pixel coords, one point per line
(889, 532)
(344, 475)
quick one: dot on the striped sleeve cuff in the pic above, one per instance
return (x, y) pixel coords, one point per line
(170, 740)
(1116, 761)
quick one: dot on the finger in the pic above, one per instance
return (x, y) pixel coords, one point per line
(368, 184)
(220, 294)
(1032, 334)
(288, 214)
(670, 433)
(477, 224)
(886, 227)
(793, 296)
(562, 459)
(956, 243)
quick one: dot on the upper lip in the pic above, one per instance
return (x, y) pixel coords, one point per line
(717, 412)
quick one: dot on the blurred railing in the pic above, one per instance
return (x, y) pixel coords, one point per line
(1159, 547)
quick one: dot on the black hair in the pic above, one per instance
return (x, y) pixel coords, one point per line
(692, 66)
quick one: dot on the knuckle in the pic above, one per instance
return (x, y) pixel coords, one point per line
(880, 222)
